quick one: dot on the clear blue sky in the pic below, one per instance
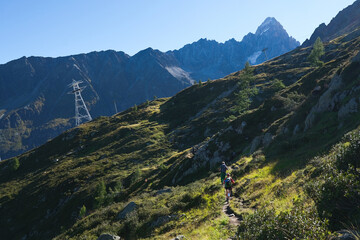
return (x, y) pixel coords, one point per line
(63, 27)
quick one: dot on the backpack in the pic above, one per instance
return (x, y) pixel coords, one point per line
(227, 183)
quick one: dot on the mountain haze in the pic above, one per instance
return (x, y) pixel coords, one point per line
(41, 108)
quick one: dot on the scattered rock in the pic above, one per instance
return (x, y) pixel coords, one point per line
(267, 139)
(127, 210)
(166, 190)
(164, 219)
(255, 143)
(179, 237)
(296, 129)
(350, 107)
(316, 90)
(107, 236)
(240, 129)
(346, 235)
(325, 101)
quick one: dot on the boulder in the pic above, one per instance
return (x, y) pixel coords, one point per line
(166, 190)
(163, 219)
(325, 101)
(127, 210)
(179, 237)
(350, 107)
(108, 236)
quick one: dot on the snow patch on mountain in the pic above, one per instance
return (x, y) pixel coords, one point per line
(179, 73)
(264, 31)
(252, 59)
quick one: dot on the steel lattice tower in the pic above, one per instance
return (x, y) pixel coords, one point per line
(81, 112)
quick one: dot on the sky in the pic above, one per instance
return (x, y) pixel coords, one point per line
(52, 28)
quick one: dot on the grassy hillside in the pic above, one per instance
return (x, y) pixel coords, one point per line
(279, 125)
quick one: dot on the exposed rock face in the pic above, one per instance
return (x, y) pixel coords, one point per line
(345, 21)
(325, 103)
(127, 210)
(350, 107)
(210, 59)
(107, 236)
(163, 219)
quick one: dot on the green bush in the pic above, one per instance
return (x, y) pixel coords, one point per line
(277, 85)
(299, 223)
(100, 195)
(337, 191)
(15, 164)
(243, 97)
(82, 212)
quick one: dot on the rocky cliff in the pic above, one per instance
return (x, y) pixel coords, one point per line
(344, 22)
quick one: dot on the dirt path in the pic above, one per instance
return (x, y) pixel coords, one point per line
(234, 220)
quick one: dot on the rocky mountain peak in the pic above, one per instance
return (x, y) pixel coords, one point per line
(270, 24)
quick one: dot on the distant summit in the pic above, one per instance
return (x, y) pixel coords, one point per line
(344, 22)
(271, 24)
(209, 59)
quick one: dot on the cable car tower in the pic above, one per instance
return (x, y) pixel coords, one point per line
(81, 112)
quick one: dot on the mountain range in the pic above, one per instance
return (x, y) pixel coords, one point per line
(35, 106)
(152, 171)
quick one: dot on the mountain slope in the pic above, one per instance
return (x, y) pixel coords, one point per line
(344, 22)
(163, 154)
(41, 108)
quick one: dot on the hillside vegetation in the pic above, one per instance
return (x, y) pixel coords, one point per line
(289, 131)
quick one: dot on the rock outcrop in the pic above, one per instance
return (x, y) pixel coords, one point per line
(345, 22)
(107, 236)
(127, 210)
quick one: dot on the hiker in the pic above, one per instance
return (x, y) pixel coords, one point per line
(228, 186)
(223, 169)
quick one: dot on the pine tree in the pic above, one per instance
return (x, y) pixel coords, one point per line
(82, 212)
(100, 194)
(243, 97)
(15, 164)
(316, 53)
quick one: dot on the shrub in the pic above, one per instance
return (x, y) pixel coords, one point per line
(15, 164)
(337, 191)
(243, 97)
(82, 212)
(299, 223)
(136, 175)
(277, 85)
(100, 194)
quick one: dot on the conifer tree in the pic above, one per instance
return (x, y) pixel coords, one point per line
(15, 164)
(316, 53)
(82, 212)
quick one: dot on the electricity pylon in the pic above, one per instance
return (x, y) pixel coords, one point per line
(81, 112)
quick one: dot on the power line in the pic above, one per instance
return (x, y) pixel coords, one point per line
(81, 112)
